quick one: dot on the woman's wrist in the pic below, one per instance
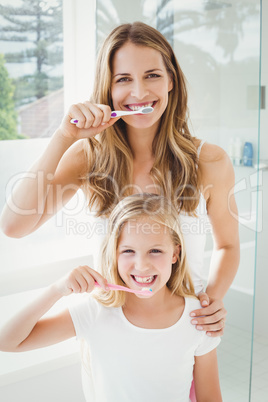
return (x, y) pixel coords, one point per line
(65, 140)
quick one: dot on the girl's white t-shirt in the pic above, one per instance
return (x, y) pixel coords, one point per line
(123, 362)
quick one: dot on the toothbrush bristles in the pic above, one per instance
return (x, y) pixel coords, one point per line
(146, 289)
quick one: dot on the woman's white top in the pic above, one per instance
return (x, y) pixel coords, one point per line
(194, 231)
(126, 363)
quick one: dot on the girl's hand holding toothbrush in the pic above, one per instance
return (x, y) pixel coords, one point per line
(91, 118)
(80, 280)
(84, 279)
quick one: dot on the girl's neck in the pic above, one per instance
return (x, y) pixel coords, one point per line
(160, 301)
(160, 311)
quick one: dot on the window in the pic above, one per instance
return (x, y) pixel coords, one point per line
(38, 259)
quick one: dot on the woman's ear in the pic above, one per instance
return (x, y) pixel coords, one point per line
(177, 250)
(170, 83)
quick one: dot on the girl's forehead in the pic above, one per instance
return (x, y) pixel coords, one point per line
(143, 227)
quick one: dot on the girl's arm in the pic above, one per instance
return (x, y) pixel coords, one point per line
(218, 177)
(206, 378)
(28, 330)
(55, 177)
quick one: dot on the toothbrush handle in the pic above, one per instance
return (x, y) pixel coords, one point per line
(118, 113)
(115, 113)
(124, 288)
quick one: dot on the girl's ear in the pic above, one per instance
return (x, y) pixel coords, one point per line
(176, 253)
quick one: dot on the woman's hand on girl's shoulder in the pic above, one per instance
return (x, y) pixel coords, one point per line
(92, 120)
(211, 317)
(80, 280)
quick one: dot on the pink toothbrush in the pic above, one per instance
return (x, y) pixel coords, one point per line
(117, 113)
(144, 291)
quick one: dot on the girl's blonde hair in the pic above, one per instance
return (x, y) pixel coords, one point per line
(110, 159)
(137, 207)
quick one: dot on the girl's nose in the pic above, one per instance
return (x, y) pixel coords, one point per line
(142, 264)
(139, 90)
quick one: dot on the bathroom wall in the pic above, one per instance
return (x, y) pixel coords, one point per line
(261, 315)
(218, 48)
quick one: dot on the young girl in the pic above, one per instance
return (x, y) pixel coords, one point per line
(112, 158)
(141, 347)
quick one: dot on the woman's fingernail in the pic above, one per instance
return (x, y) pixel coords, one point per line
(199, 327)
(208, 333)
(192, 314)
(204, 303)
(194, 322)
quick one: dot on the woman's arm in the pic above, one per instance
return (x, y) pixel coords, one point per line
(27, 330)
(218, 178)
(206, 378)
(56, 176)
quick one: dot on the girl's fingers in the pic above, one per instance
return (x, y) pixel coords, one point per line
(85, 277)
(77, 282)
(97, 277)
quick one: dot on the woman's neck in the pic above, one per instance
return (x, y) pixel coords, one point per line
(141, 141)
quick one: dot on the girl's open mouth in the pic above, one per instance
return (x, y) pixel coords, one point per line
(144, 281)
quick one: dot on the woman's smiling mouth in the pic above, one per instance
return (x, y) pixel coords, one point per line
(137, 106)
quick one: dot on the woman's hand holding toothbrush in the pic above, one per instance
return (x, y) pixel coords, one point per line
(91, 119)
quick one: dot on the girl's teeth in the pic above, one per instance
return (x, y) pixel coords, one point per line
(147, 279)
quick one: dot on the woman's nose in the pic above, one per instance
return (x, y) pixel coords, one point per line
(139, 90)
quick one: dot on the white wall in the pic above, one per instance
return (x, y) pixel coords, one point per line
(55, 386)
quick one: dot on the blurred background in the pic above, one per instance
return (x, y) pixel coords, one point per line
(47, 57)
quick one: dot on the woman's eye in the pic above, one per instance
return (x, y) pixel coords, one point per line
(153, 76)
(128, 251)
(123, 79)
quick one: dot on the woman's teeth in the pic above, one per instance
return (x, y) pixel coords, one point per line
(135, 108)
(144, 279)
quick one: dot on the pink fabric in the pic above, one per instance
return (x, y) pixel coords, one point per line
(192, 393)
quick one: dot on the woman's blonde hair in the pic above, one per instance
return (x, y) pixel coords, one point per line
(134, 208)
(110, 159)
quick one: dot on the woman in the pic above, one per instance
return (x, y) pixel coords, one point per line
(140, 153)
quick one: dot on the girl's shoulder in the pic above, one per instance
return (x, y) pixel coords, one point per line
(192, 303)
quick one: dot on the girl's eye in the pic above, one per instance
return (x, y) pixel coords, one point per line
(155, 251)
(128, 251)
